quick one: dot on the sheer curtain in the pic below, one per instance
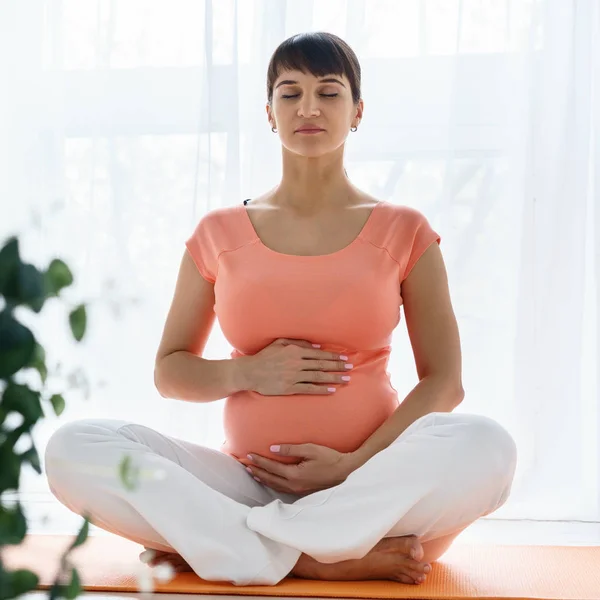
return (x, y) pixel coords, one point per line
(125, 121)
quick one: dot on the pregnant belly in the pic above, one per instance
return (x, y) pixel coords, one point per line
(342, 420)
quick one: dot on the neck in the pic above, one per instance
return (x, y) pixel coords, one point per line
(309, 185)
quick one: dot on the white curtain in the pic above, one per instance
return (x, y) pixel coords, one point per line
(125, 121)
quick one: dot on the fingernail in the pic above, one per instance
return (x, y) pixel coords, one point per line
(316, 345)
(249, 469)
(342, 357)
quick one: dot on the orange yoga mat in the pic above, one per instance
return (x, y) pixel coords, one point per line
(110, 563)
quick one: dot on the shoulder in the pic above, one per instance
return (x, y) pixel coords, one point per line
(217, 215)
(224, 228)
(407, 215)
(218, 222)
(399, 224)
(406, 233)
(398, 212)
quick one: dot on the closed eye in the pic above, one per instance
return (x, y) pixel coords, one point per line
(326, 95)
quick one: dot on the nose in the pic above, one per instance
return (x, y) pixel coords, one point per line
(308, 107)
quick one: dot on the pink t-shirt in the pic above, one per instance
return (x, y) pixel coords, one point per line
(347, 301)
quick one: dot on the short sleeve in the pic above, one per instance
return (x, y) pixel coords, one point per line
(203, 249)
(419, 236)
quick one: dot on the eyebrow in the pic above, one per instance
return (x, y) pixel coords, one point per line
(328, 80)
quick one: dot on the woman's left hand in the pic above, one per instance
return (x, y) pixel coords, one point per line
(321, 468)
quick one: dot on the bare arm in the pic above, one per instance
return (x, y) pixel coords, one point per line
(435, 340)
(185, 376)
(180, 372)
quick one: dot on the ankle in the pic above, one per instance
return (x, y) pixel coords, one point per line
(306, 567)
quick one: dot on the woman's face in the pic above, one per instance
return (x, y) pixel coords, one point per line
(301, 100)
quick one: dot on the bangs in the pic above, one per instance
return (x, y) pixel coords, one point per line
(319, 58)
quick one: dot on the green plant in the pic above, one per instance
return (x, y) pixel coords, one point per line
(24, 285)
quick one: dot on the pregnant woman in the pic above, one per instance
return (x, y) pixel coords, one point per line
(324, 473)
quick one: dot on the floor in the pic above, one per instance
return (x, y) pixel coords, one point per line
(53, 518)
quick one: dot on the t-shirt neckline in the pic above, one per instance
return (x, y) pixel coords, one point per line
(368, 224)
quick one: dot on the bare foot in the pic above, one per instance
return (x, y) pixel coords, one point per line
(172, 558)
(389, 559)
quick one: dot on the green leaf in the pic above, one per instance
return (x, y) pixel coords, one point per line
(81, 535)
(58, 403)
(19, 582)
(32, 457)
(31, 288)
(77, 320)
(11, 468)
(57, 590)
(57, 277)
(17, 345)
(20, 283)
(127, 474)
(13, 525)
(74, 588)
(38, 362)
(9, 267)
(24, 284)
(21, 399)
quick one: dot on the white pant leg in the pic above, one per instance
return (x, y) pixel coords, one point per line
(442, 473)
(199, 508)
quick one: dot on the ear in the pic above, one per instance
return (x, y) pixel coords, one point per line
(360, 109)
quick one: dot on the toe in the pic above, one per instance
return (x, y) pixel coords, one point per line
(416, 575)
(421, 567)
(416, 549)
(404, 579)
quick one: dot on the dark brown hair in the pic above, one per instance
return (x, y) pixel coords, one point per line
(319, 53)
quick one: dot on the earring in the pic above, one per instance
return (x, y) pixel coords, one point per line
(353, 128)
(273, 130)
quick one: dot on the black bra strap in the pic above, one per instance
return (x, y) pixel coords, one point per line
(248, 200)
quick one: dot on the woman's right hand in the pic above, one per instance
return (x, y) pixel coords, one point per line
(288, 366)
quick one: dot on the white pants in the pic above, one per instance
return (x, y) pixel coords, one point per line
(442, 473)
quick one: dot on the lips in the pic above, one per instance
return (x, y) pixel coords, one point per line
(310, 129)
